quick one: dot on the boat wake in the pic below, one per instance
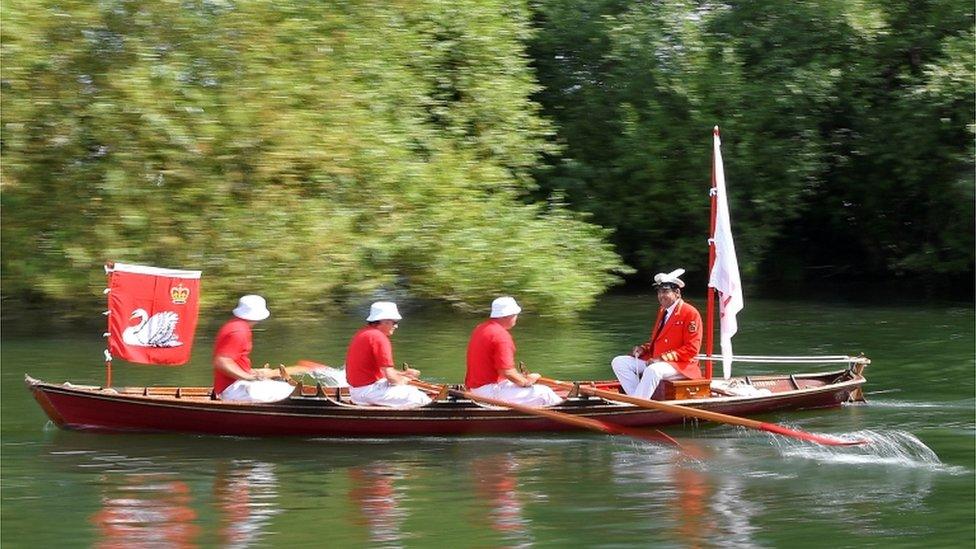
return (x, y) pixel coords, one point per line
(959, 405)
(891, 448)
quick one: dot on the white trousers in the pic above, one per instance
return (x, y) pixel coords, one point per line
(639, 379)
(381, 393)
(533, 395)
(264, 390)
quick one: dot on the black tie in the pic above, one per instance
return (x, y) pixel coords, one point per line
(664, 318)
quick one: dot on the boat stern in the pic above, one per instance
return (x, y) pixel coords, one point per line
(858, 364)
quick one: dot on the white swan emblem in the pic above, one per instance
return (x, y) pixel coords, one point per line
(159, 330)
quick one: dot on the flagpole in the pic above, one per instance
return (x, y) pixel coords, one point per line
(710, 308)
(723, 278)
(109, 267)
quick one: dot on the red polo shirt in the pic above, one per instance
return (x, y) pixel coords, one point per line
(369, 352)
(233, 340)
(491, 351)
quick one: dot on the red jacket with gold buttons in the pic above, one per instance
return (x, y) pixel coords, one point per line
(678, 342)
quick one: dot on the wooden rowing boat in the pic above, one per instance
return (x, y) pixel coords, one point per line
(316, 411)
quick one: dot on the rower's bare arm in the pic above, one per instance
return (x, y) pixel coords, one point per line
(519, 379)
(396, 377)
(227, 365)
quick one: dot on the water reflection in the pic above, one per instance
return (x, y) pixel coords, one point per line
(675, 482)
(246, 493)
(147, 497)
(475, 492)
(375, 494)
(735, 510)
(145, 510)
(496, 483)
(140, 509)
(695, 525)
(480, 492)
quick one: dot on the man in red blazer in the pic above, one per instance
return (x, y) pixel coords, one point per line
(674, 343)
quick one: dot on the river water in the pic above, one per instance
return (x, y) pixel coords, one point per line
(914, 486)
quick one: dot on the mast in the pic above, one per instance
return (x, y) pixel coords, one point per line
(109, 267)
(710, 307)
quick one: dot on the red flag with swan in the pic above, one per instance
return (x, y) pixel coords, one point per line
(152, 313)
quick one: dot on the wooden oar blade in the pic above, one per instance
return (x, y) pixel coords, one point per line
(812, 437)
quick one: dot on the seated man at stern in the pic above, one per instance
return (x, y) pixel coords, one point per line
(491, 361)
(373, 379)
(674, 343)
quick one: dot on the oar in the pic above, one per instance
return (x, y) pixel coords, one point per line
(569, 419)
(704, 414)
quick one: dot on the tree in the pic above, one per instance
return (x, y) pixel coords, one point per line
(847, 131)
(311, 153)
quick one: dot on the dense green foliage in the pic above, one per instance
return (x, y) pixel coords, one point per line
(455, 150)
(847, 130)
(311, 152)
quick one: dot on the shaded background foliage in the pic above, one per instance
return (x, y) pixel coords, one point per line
(847, 132)
(329, 153)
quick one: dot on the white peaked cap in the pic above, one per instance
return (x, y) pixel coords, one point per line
(670, 278)
(504, 306)
(383, 310)
(252, 307)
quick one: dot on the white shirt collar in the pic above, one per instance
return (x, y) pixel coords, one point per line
(669, 310)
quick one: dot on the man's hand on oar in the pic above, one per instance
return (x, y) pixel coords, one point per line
(708, 415)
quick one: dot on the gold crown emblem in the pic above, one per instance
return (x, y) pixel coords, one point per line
(179, 294)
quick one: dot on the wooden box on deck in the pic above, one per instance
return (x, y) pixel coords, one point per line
(684, 389)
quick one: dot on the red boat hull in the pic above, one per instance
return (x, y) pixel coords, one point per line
(128, 410)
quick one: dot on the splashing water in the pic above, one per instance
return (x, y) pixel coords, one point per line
(892, 448)
(328, 377)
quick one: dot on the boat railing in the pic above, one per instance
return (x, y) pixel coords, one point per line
(771, 359)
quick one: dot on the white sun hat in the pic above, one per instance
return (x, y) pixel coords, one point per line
(252, 307)
(663, 279)
(383, 310)
(504, 306)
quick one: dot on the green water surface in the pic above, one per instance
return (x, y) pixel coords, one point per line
(912, 487)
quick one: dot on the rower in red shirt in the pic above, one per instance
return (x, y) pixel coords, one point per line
(234, 379)
(670, 352)
(373, 379)
(491, 361)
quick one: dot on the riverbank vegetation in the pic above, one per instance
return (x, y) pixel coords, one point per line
(847, 130)
(459, 150)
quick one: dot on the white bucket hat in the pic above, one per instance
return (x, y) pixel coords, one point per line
(252, 307)
(383, 310)
(669, 279)
(504, 306)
